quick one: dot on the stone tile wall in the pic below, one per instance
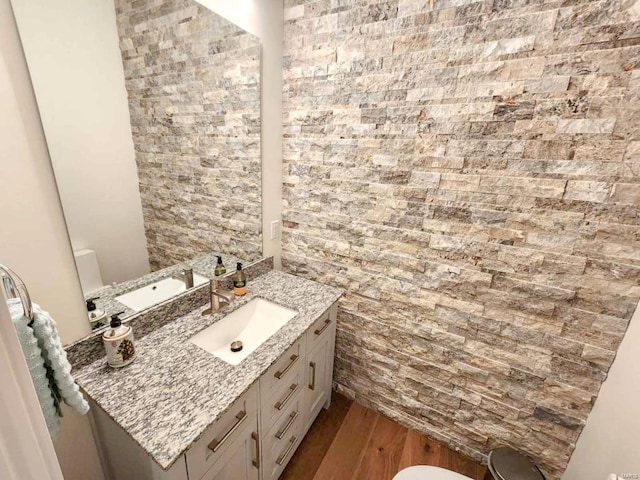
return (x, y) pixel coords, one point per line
(193, 80)
(469, 170)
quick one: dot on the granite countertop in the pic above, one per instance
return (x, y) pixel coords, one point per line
(174, 390)
(203, 265)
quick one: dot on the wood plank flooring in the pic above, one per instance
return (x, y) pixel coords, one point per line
(352, 442)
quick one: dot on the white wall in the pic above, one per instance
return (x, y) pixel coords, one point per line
(75, 64)
(33, 238)
(264, 18)
(610, 442)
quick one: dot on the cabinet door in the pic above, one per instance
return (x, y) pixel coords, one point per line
(223, 434)
(240, 462)
(317, 387)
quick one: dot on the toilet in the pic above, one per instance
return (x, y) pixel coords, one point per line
(504, 464)
(428, 472)
(88, 270)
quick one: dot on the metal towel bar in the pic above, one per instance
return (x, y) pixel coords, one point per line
(14, 287)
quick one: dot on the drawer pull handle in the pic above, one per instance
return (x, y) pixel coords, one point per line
(256, 462)
(292, 389)
(281, 373)
(286, 453)
(312, 385)
(216, 444)
(319, 331)
(282, 432)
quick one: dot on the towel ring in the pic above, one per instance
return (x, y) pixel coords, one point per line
(14, 287)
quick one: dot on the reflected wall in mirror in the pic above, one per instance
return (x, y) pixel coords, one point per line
(193, 83)
(152, 116)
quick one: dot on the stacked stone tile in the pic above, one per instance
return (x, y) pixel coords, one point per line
(193, 81)
(470, 173)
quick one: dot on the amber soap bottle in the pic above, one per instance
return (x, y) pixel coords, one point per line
(239, 281)
(220, 269)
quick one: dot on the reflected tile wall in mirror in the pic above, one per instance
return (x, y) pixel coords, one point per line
(193, 83)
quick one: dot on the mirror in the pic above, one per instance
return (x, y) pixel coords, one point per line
(151, 111)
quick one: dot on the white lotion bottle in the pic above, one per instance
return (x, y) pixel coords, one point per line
(97, 317)
(118, 343)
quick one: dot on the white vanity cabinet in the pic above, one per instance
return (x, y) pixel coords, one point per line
(257, 436)
(228, 450)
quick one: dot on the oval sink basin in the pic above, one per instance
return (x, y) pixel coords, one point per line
(250, 325)
(156, 292)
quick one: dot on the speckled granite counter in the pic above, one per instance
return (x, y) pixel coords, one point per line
(174, 390)
(203, 265)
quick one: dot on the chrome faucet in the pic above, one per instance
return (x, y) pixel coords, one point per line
(186, 276)
(219, 298)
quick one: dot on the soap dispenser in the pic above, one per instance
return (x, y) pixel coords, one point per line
(220, 268)
(118, 343)
(97, 317)
(239, 281)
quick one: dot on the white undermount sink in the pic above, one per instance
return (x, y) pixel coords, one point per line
(252, 324)
(145, 297)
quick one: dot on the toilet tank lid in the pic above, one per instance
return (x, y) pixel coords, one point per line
(507, 464)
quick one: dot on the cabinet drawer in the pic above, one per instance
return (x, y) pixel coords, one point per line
(243, 414)
(282, 371)
(320, 330)
(280, 401)
(282, 440)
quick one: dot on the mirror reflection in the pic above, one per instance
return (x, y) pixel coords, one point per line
(157, 151)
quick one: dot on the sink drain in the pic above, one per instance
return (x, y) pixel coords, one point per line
(236, 346)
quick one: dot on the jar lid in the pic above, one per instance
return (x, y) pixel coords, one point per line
(115, 334)
(507, 464)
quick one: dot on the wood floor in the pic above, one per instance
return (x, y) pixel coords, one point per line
(351, 442)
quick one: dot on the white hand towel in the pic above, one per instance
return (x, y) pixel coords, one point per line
(55, 357)
(35, 363)
(48, 365)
